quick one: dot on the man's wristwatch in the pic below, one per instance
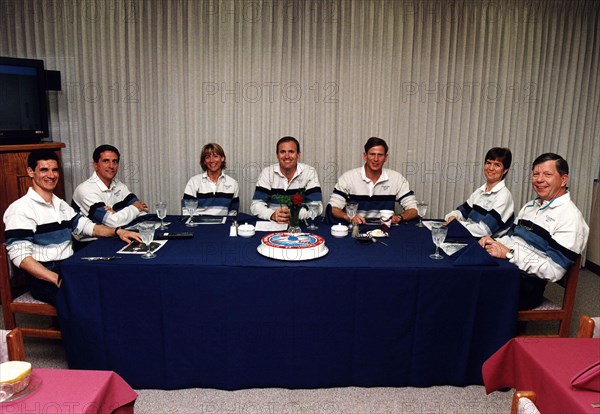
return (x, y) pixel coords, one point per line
(116, 230)
(510, 254)
(401, 218)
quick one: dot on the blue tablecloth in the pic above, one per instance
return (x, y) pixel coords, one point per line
(211, 312)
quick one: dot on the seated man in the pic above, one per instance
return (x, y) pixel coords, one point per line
(39, 226)
(103, 198)
(285, 178)
(374, 188)
(216, 192)
(489, 211)
(548, 234)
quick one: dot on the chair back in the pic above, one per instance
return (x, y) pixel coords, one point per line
(22, 304)
(14, 341)
(588, 327)
(549, 311)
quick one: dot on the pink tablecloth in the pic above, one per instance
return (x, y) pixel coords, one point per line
(546, 366)
(74, 391)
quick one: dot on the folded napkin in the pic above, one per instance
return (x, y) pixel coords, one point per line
(457, 231)
(474, 255)
(589, 378)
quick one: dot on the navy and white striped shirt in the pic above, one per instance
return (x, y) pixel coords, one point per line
(355, 186)
(42, 230)
(547, 237)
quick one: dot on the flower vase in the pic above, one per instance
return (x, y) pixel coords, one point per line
(294, 226)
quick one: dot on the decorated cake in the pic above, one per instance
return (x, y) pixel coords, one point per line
(292, 246)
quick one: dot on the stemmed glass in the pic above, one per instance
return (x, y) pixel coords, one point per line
(161, 213)
(189, 206)
(421, 210)
(313, 212)
(147, 234)
(351, 209)
(438, 234)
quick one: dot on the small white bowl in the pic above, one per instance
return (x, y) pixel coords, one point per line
(339, 230)
(246, 230)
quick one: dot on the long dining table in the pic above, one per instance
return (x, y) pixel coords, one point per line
(212, 312)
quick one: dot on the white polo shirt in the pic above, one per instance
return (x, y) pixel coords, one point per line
(486, 213)
(91, 196)
(42, 230)
(391, 187)
(215, 199)
(547, 237)
(272, 182)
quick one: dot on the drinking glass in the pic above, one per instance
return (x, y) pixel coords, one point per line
(313, 212)
(421, 210)
(438, 234)
(351, 209)
(161, 213)
(147, 234)
(190, 205)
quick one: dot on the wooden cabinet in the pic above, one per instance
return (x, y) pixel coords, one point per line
(13, 174)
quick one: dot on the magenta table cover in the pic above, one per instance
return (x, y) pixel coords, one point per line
(546, 366)
(74, 391)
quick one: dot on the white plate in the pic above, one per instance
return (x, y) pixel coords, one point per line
(292, 258)
(376, 233)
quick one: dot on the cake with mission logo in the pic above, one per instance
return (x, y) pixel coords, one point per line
(293, 246)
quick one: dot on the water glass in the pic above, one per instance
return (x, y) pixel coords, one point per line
(189, 206)
(147, 234)
(438, 235)
(351, 209)
(161, 213)
(421, 210)
(313, 212)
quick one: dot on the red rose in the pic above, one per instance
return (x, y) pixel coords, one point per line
(297, 199)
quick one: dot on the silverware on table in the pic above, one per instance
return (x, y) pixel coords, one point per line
(97, 258)
(379, 241)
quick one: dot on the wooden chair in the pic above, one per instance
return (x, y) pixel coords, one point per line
(523, 402)
(550, 311)
(14, 342)
(25, 304)
(588, 327)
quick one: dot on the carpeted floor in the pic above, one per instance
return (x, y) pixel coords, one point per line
(440, 399)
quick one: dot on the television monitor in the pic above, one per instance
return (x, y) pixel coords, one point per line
(23, 101)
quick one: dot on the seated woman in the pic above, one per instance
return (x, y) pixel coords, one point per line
(489, 211)
(216, 192)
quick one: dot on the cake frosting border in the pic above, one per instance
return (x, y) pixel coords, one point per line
(286, 253)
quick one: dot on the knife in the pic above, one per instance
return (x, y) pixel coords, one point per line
(379, 241)
(96, 258)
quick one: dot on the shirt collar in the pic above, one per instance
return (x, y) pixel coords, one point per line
(499, 186)
(299, 169)
(205, 176)
(31, 193)
(555, 202)
(101, 184)
(383, 177)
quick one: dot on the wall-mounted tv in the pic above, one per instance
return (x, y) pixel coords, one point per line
(23, 101)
